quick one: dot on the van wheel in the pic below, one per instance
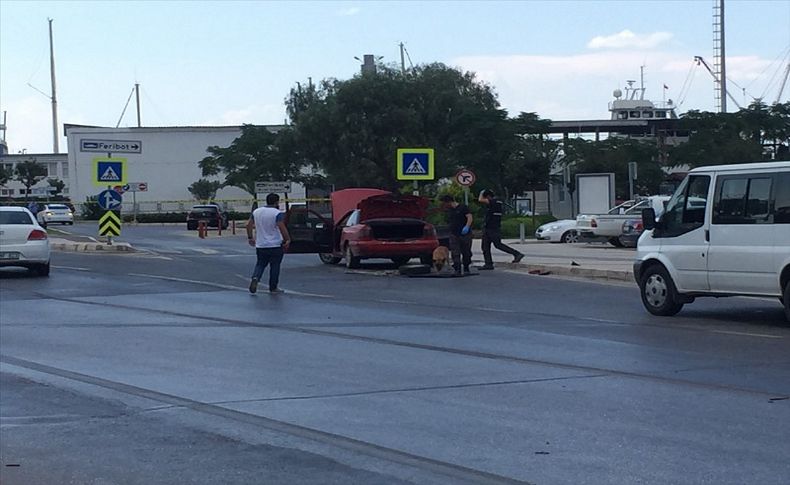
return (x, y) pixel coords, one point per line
(787, 301)
(328, 258)
(352, 262)
(659, 295)
(570, 237)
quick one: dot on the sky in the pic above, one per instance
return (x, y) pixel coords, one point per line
(232, 62)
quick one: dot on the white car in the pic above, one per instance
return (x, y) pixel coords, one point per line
(23, 242)
(558, 231)
(55, 213)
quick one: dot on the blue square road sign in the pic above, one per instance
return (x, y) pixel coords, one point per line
(415, 164)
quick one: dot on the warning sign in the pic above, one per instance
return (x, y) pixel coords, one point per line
(415, 164)
(109, 171)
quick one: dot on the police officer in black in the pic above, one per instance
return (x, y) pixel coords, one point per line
(492, 230)
(459, 218)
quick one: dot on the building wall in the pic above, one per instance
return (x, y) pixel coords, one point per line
(57, 168)
(168, 161)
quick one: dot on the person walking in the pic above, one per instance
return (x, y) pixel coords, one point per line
(492, 230)
(459, 218)
(270, 240)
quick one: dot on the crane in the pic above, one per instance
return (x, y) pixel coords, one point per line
(699, 60)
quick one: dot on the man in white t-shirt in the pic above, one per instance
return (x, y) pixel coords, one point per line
(270, 241)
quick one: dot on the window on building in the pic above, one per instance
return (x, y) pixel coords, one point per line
(634, 114)
(7, 192)
(52, 169)
(64, 168)
(661, 114)
(647, 114)
(622, 115)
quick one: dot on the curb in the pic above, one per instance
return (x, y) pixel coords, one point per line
(575, 271)
(91, 247)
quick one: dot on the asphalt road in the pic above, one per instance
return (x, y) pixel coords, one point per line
(160, 367)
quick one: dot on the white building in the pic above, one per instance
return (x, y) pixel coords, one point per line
(165, 159)
(57, 168)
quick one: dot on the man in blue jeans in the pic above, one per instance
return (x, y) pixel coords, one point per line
(270, 241)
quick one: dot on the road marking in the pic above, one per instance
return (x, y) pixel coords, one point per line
(206, 251)
(497, 310)
(747, 334)
(184, 280)
(74, 268)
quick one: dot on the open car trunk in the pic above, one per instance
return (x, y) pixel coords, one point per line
(396, 229)
(391, 206)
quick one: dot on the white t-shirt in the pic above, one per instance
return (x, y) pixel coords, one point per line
(267, 234)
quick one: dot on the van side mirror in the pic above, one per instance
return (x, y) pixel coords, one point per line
(649, 219)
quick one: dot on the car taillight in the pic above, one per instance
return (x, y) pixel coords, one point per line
(638, 227)
(429, 231)
(593, 223)
(37, 235)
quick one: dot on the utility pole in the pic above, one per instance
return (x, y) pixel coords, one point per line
(54, 98)
(402, 60)
(137, 91)
(719, 56)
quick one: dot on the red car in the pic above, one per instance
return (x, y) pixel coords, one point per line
(365, 223)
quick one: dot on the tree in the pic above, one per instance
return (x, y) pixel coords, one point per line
(352, 129)
(531, 155)
(29, 173)
(57, 186)
(613, 155)
(256, 155)
(4, 175)
(204, 190)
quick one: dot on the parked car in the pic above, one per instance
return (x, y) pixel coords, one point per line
(563, 231)
(632, 229)
(609, 226)
(725, 232)
(365, 224)
(23, 241)
(211, 213)
(55, 213)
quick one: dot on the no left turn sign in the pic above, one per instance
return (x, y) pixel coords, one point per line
(465, 177)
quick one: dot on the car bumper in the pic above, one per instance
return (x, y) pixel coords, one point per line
(35, 252)
(391, 249)
(57, 218)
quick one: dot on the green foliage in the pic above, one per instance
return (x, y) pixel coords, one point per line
(5, 176)
(256, 155)
(58, 185)
(510, 225)
(204, 190)
(752, 134)
(91, 211)
(29, 173)
(613, 155)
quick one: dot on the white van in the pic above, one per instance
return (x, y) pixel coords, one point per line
(725, 232)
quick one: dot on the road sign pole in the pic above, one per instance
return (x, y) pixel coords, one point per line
(134, 206)
(466, 196)
(416, 188)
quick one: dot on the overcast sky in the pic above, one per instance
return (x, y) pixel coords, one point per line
(227, 63)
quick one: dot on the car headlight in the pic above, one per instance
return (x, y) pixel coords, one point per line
(49, 213)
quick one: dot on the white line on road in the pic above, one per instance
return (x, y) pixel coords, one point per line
(74, 268)
(747, 334)
(206, 251)
(292, 292)
(184, 280)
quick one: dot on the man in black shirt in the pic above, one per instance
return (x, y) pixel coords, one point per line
(492, 230)
(459, 218)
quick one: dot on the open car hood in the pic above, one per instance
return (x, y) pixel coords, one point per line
(388, 206)
(346, 200)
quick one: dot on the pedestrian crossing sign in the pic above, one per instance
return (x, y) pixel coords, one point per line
(109, 171)
(415, 164)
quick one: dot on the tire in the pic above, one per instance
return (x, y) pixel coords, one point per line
(426, 259)
(400, 261)
(70, 223)
(625, 245)
(615, 241)
(787, 301)
(570, 237)
(659, 295)
(328, 258)
(352, 262)
(41, 269)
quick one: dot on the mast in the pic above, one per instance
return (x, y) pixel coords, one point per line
(719, 61)
(137, 91)
(54, 98)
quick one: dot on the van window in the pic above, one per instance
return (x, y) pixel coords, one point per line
(686, 209)
(742, 200)
(782, 204)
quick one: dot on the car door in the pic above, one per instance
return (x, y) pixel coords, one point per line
(683, 232)
(310, 231)
(742, 235)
